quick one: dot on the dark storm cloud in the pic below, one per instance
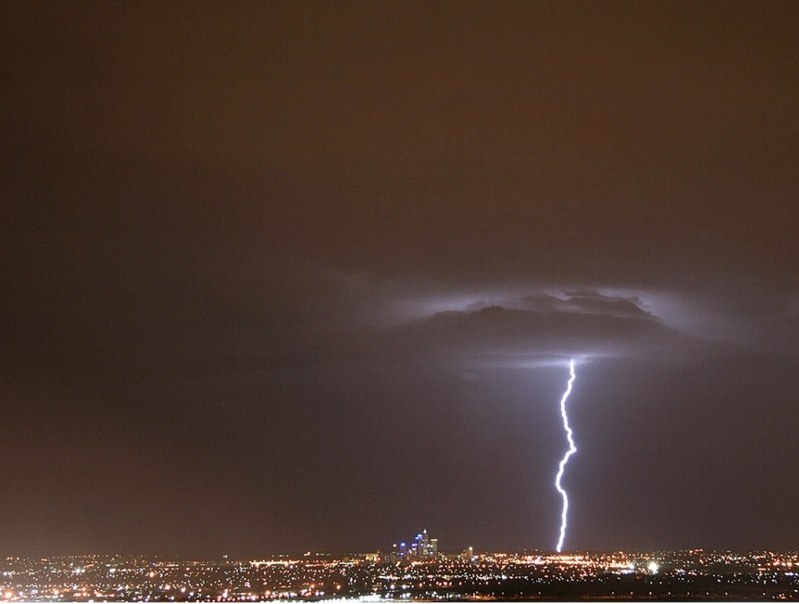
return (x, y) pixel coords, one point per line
(505, 325)
(587, 302)
(587, 324)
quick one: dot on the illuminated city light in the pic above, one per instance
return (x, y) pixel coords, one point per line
(449, 577)
(564, 461)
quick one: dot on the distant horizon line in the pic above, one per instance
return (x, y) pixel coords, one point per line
(329, 553)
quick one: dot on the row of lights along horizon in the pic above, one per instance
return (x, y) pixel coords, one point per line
(695, 574)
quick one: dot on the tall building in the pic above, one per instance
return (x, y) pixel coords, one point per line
(421, 548)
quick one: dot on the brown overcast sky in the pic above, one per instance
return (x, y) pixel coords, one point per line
(299, 275)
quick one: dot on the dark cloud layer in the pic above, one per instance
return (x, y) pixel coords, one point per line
(583, 325)
(283, 276)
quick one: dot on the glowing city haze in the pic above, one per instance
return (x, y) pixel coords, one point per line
(565, 460)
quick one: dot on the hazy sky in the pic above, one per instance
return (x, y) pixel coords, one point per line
(286, 276)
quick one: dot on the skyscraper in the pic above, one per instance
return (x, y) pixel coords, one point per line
(422, 548)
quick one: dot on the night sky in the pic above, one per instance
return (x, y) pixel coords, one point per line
(288, 276)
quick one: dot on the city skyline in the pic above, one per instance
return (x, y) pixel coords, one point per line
(300, 276)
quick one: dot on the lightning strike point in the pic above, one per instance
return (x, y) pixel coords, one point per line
(565, 460)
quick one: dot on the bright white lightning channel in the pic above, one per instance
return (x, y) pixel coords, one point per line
(564, 461)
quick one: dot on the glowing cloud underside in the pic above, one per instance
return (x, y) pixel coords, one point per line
(564, 461)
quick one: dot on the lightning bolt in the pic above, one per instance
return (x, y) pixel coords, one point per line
(564, 461)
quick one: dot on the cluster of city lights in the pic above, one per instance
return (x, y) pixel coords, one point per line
(689, 573)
